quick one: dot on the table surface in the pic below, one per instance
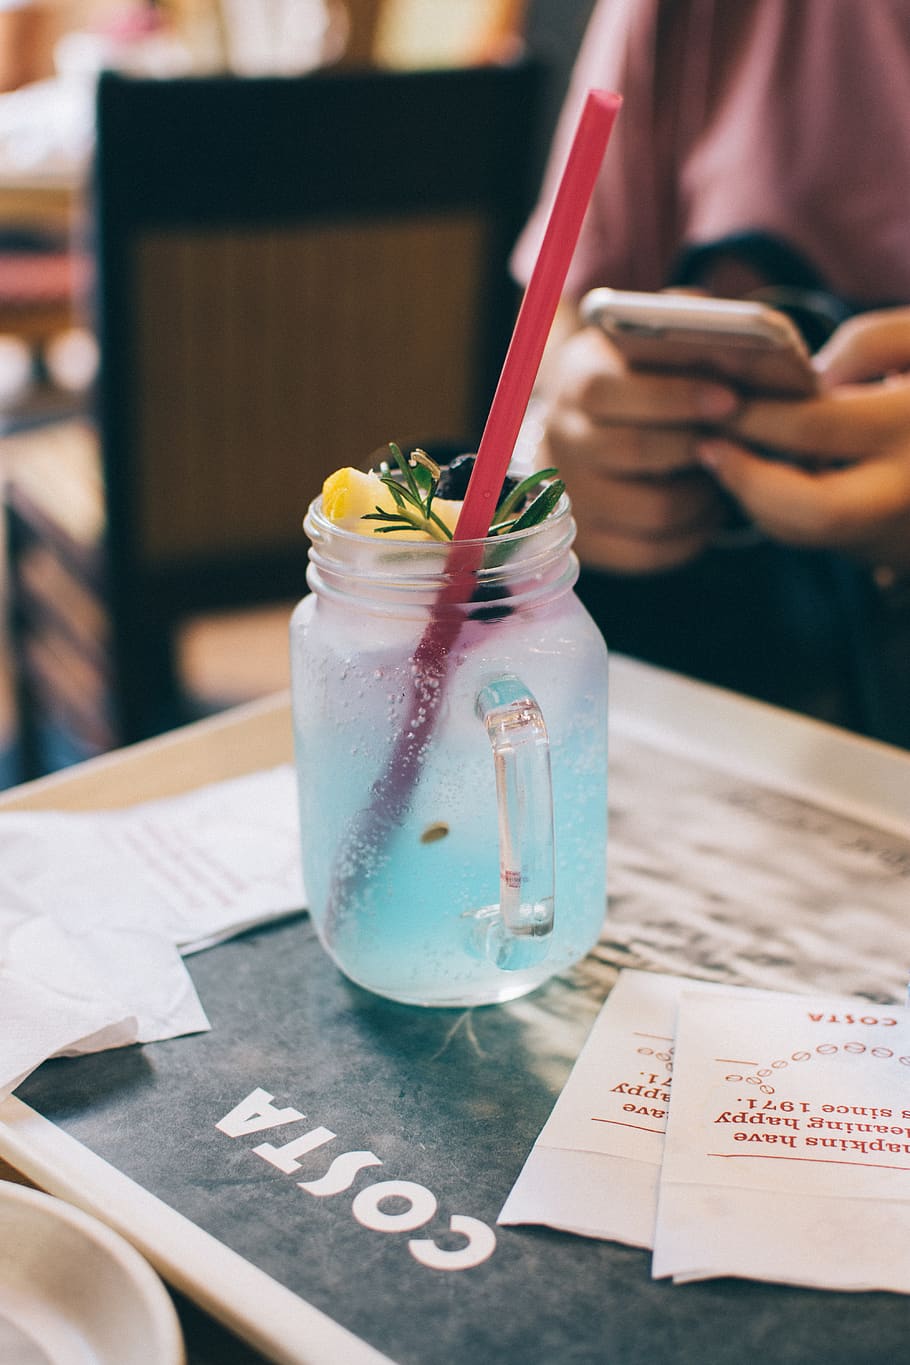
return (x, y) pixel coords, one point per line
(864, 776)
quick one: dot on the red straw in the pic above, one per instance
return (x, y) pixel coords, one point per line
(535, 317)
(392, 790)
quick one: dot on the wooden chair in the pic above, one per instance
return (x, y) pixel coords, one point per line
(290, 272)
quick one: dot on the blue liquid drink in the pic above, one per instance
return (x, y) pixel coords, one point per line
(412, 906)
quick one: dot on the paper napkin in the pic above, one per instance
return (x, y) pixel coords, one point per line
(595, 1168)
(629, 1157)
(96, 909)
(787, 1154)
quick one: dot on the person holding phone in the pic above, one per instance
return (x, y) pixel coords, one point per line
(762, 144)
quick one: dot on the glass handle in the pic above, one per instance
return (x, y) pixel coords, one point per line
(521, 933)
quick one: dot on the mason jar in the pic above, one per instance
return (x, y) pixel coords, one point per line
(450, 720)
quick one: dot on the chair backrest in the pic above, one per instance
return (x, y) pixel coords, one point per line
(291, 272)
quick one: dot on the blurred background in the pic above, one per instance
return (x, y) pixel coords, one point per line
(177, 180)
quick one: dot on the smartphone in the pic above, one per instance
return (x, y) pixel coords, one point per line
(754, 347)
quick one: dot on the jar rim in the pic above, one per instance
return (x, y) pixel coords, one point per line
(517, 564)
(316, 518)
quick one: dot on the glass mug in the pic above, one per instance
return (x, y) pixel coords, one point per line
(451, 751)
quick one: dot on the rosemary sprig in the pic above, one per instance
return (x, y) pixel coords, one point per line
(413, 487)
(413, 495)
(503, 519)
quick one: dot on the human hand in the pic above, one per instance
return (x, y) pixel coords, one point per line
(851, 489)
(624, 442)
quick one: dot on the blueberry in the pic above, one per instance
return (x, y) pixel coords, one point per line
(453, 481)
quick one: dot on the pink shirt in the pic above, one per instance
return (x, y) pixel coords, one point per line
(788, 117)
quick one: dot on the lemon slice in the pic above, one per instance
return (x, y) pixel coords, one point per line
(349, 494)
